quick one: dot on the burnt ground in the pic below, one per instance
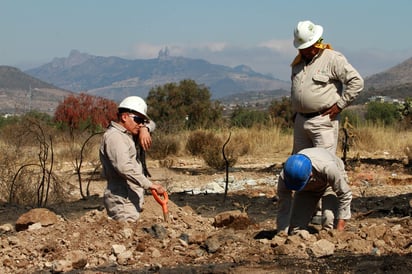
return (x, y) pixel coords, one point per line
(377, 239)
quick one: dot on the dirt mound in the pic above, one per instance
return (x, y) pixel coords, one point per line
(83, 240)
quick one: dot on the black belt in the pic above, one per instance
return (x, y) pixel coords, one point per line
(311, 114)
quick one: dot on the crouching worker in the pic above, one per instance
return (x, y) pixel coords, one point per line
(124, 194)
(313, 174)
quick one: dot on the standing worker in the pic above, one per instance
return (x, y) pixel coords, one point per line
(319, 76)
(314, 174)
(126, 182)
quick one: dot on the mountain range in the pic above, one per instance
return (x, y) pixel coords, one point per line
(20, 92)
(395, 82)
(116, 78)
(42, 88)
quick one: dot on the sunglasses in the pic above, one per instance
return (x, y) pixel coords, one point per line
(137, 119)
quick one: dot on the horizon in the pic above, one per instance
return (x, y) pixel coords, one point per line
(372, 34)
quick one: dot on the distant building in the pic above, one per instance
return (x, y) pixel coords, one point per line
(384, 99)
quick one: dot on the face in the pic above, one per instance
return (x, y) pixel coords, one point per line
(309, 53)
(133, 122)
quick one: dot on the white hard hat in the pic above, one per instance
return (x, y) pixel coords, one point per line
(306, 34)
(134, 103)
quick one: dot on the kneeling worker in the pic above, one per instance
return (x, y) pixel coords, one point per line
(124, 195)
(314, 174)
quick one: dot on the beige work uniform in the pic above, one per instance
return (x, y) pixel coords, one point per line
(124, 194)
(329, 182)
(326, 80)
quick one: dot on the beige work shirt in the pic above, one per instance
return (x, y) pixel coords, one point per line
(118, 156)
(328, 171)
(326, 80)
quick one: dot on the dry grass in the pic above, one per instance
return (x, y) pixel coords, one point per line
(273, 143)
(380, 141)
(251, 146)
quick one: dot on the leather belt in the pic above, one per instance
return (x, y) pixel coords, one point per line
(311, 114)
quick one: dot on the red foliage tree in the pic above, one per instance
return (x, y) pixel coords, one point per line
(85, 111)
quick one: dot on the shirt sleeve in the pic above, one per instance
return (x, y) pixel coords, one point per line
(351, 79)
(151, 126)
(119, 150)
(284, 205)
(338, 180)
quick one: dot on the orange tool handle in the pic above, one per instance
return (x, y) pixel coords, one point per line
(163, 202)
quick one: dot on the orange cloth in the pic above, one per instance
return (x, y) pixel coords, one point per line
(322, 46)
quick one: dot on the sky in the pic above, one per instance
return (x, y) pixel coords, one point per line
(374, 35)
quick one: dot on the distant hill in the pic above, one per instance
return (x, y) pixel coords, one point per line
(114, 77)
(20, 92)
(395, 82)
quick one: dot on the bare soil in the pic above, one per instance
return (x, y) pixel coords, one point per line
(377, 239)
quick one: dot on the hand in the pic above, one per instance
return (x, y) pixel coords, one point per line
(158, 188)
(340, 226)
(333, 111)
(145, 139)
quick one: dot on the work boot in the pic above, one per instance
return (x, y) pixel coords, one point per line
(317, 218)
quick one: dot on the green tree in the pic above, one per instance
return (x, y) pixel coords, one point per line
(186, 105)
(385, 113)
(243, 117)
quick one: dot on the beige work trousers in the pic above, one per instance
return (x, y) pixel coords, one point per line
(124, 208)
(318, 131)
(304, 205)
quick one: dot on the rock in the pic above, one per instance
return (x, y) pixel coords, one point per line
(37, 215)
(127, 232)
(78, 259)
(322, 248)
(6, 228)
(376, 231)
(212, 244)
(117, 249)
(282, 250)
(157, 231)
(61, 266)
(197, 237)
(123, 257)
(234, 218)
(34, 226)
(155, 253)
(277, 240)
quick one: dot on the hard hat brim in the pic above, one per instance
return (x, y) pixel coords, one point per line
(296, 186)
(318, 31)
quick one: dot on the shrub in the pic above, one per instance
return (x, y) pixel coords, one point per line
(247, 118)
(213, 156)
(384, 113)
(199, 141)
(213, 153)
(163, 146)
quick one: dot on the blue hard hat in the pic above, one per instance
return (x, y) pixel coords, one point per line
(297, 171)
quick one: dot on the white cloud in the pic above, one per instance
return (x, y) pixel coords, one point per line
(145, 51)
(285, 46)
(216, 47)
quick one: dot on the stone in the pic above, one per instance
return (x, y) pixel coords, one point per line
(322, 248)
(233, 218)
(37, 215)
